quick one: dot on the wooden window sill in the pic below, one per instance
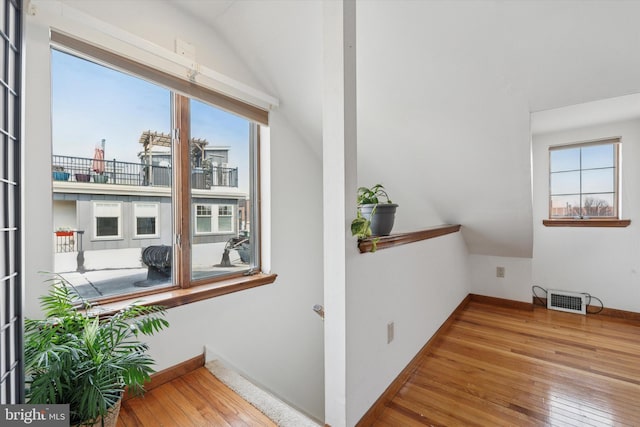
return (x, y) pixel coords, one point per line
(385, 242)
(586, 222)
(175, 297)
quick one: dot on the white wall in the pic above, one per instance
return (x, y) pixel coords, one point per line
(67, 215)
(515, 285)
(604, 262)
(416, 286)
(270, 333)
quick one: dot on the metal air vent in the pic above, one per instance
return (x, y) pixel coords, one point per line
(571, 302)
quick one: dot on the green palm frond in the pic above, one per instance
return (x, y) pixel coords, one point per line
(86, 361)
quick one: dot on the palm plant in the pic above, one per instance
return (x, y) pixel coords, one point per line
(86, 361)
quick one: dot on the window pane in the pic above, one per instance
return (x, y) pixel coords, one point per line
(565, 159)
(565, 183)
(224, 223)
(220, 179)
(598, 156)
(110, 140)
(225, 218)
(203, 210)
(145, 226)
(598, 181)
(565, 206)
(203, 224)
(595, 205)
(106, 226)
(590, 191)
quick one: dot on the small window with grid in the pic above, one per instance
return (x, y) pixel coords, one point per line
(584, 180)
(225, 218)
(203, 219)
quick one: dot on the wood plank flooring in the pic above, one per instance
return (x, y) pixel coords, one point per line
(196, 399)
(499, 366)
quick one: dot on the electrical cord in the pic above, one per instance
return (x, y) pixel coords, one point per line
(537, 298)
(590, 297)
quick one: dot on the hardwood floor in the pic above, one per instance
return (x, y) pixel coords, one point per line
(499, 366)
(195, 399)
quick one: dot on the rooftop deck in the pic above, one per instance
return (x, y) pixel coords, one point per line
(81, 170)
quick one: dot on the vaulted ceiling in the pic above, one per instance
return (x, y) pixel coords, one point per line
(445, 91)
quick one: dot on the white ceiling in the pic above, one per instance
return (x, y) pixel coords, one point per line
(445, 91)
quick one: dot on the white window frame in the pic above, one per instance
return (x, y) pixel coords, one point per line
(232, 216)
(139, 206)
(616, 144)
(215, 216)
(96, 214)
(196, 216)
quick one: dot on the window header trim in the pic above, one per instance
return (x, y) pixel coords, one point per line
(225, 102)
(603, 141)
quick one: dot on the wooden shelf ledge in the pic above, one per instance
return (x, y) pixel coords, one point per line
(586, 222)
(385, 242)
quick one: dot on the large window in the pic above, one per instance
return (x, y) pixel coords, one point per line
(149, 171)
(583, 180)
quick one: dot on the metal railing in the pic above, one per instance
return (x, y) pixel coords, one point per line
(68, 241)
(82, 169)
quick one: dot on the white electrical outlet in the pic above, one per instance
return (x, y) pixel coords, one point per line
(389, 332)
(499, 271)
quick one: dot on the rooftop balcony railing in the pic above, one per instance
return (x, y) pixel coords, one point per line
(81, 169)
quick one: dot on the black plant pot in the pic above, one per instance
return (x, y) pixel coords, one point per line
(383, 217)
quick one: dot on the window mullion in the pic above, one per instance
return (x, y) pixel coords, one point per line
(616, 180)
(581, 193)
(182, 257)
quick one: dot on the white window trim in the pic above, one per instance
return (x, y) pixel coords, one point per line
(95, 220)
(233, 217)
(195, 219)
(215, 229)
(135, 220)
(617, 179)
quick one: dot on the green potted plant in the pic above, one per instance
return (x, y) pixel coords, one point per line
(83, 177)
(376, 214)
(59, 174)
(100, 178)
(75, 357)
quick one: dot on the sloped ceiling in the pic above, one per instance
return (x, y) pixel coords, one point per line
(445, 92)
(281, 42)
(586, 114)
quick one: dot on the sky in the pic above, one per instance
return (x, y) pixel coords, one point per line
(597, 177)
(91, 102)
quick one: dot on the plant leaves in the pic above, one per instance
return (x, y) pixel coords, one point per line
(78, 358)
